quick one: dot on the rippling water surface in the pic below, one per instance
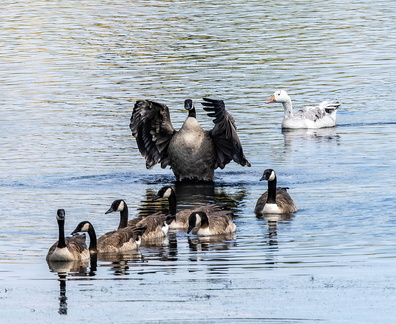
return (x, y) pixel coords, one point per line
(69, 75)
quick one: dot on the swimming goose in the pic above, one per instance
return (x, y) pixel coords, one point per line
(275, 200)
(191, 152)
(69, 248)
(182, 217)
(201, 224)
(152, 226)
(320, 116)
(121, 240)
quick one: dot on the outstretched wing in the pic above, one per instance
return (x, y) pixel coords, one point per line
(224, 134)
(152, 128)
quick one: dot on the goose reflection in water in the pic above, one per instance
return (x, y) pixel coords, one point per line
(319, 135)
(192, 195)
(70, 268)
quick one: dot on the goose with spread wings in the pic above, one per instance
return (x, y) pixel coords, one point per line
(191, 152)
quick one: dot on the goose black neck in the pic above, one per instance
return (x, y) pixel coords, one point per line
(172, 203)
(271, 192)
(204, 220)
(93, 243)
(192, 113)
(123, 217)
(61, 226)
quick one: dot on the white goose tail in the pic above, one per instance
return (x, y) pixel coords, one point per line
(330, 106)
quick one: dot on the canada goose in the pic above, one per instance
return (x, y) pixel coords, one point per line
(275, 200)
(182, 217)
(121, 206)
(191, 152)
(152, 226)
(69, 248)
(320, 116)
(202, 224)
(121, 240)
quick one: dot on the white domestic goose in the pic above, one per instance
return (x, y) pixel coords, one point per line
(320, 116)
(276, 200)
(191, 152)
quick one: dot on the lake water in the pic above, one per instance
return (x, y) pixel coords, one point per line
(70, 73)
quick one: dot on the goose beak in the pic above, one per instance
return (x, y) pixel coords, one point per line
(263, 178)
(272, 99)
(109, 211)
(190, 228)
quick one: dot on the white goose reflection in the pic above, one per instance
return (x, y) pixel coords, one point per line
(320, 135)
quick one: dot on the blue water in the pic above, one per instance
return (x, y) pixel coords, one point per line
(70, 73)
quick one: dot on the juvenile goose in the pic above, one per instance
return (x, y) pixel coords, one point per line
(121, 240)
(191, 152)
(182, 217)
(69, 248)
(275, 200)
(200, 223)
(320, 116)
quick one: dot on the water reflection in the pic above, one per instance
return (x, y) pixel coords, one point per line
(118, 263)
(320, 135)
(71, 268)
(191, 195)
(272, 225)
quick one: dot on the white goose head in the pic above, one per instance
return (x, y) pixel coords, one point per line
(279, 96)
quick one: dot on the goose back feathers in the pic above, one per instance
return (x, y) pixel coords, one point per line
(275, 200)
(69, 248)
(192, 153)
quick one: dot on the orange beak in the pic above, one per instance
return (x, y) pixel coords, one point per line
(272, 99)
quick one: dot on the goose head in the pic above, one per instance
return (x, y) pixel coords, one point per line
(279, 96)
(268, 175)
(117, 205)
(60, 215)
(197, 219)
(82, 227)
(164, 192)
(188, 105)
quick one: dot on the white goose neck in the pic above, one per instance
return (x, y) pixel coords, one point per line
(288, 108)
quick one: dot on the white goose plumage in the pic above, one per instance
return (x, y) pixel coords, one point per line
(320, 116)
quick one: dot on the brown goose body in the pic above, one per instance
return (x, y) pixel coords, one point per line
(275, 200)
(67, 248)
(204, 225)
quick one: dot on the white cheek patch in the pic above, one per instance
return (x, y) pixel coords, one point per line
(167, 193)
(85, 228)
(272, 176)
(197, 219)
(121, 206)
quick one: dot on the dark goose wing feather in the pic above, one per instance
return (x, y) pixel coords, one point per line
(224, 134)
(152, 127)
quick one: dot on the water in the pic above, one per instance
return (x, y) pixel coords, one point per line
(69, 75)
